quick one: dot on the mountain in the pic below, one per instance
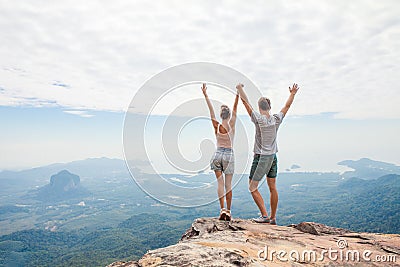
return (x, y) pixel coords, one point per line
(92, 171)
(210, 242)
(63, 186)
(91, 167)
(368, 169)
(64, 181)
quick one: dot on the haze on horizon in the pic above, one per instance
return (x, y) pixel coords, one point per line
(69, 70)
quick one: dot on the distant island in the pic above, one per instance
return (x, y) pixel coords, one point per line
(366, 168)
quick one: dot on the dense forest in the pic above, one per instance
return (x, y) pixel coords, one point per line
(131, 239)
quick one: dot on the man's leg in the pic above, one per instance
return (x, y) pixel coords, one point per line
(228, 190)
(258, 199)
(220, 189)
(273, 196)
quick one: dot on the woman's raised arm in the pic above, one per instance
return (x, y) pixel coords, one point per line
(210, 108)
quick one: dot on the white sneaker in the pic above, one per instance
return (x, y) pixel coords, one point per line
(261, 219)
(222, 214)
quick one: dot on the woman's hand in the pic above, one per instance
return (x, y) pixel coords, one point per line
(204, 89)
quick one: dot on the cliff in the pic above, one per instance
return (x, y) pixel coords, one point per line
(210, 242)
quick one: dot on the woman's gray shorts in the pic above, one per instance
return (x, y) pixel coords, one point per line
(223, 160)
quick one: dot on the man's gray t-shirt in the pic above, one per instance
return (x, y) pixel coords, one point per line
(266, 132)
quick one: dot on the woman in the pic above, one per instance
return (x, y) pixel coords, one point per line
(223, 161)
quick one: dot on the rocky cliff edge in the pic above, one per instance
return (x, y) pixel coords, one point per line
(210, 242)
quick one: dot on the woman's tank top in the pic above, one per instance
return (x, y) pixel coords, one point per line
(226, 139)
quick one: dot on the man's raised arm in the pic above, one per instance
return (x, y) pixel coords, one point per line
(244, 98)
(234, 111)
(289, 102)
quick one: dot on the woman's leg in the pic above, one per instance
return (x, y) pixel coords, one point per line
(220, 190)
(228, 190)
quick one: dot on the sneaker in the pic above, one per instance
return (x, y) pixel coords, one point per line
(222, 214)
(228, 216)
(272, 221)
(261, 219)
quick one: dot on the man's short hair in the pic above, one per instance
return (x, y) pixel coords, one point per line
(264, 103)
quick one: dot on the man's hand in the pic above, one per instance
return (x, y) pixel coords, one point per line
(294, 88)
(289, 102)
(239, 86)
(244, 98)
(204, 89)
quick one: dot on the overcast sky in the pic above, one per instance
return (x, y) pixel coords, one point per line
(83, 57)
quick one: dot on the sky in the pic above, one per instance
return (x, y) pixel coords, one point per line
(69, 70)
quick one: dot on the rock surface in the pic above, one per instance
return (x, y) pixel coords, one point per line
(210, 242)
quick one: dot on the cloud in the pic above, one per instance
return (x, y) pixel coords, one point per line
(82, 113)
(96, 54)
(60, 84)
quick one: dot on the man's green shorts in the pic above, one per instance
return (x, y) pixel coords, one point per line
(264, 165)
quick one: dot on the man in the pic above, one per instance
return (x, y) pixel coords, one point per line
(265, 149)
